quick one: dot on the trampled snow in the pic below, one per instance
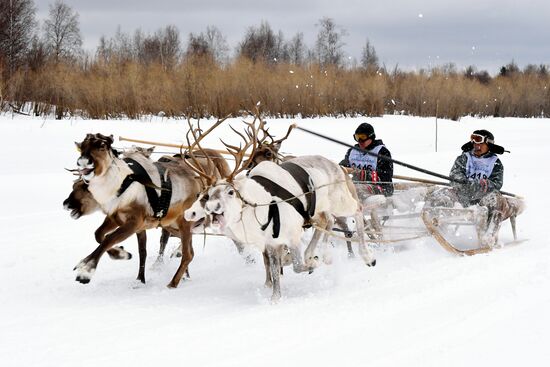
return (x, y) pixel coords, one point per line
(420, 306)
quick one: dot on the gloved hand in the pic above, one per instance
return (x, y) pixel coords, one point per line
(473, 186)
(478, 186)
(484, 184)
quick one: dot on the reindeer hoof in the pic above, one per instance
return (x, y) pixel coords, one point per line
(85, 270)
(311, 264)
(275, 298)
(119, 253)
(82, 280)
(172, 285)
(373, 263)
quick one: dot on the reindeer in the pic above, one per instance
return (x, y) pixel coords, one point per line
(268, 150)
(126, 203)
(245, 208)
(81, 202)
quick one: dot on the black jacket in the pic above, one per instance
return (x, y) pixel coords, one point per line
(384, 167)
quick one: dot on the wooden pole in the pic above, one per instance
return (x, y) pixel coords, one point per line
(179, 146)
(421, 180)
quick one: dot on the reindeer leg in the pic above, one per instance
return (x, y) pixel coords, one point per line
(497, 206)
(86, 268)
(297, 262)
(513, 223)
(107, 226)
(364, 250)
(187, 252)
(327, 257)
(268, 281)
(165, 235)
(311, 260)
(248, 258)
(275, 267)
(117, 252)
(341, 222)
(142, 247)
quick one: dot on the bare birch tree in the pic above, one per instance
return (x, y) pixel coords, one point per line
(16, 30)
(62, 32)
(329, 45)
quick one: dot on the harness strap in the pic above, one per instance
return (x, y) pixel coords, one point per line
(163, 201)
(304, 180)
(273, 214)
(160, 203)
(276, 190)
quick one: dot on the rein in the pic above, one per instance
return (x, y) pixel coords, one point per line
(355, 239)
(255, 205)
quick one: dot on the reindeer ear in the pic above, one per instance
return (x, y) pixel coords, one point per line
(78, 146)
(111, 139)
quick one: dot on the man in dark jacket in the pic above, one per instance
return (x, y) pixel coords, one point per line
(375, 171)
(477, 176)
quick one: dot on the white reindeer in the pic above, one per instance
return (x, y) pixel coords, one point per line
(239, 206)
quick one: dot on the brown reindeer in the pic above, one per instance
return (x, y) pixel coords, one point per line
(81, 202)
(126, 201)
(269, 150)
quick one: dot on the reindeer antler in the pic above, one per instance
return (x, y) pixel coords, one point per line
(250, 140)
(206, 178)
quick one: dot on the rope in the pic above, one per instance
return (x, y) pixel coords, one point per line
(333, 234)
(291, 198)
(355, 239)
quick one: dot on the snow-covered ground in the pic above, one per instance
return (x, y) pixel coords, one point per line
(420, 306)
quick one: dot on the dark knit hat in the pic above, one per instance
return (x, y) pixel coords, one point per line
(367, 129)
(489, 139)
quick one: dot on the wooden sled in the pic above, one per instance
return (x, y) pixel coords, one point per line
(433, 223)
(435, 219)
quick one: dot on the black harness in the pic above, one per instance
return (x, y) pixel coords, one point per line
(159, 203)
(303, 179)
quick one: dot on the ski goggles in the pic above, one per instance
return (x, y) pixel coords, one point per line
(360, 137)
(480, 139)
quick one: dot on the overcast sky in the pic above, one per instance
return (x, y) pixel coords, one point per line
(412, 34)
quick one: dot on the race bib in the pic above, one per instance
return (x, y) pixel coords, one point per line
(479, 168)
(363, 161)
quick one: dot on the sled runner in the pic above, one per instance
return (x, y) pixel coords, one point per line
(444, 223)
(439, 221)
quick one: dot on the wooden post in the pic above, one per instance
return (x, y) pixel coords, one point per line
(436, 113)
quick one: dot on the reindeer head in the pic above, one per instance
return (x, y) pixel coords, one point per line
(223, 204)
(80, 201)
(96, 155)
(196, 213)
(268, 150)
(134, 149)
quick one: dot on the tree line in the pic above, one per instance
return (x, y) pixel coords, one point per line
(44, 70)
